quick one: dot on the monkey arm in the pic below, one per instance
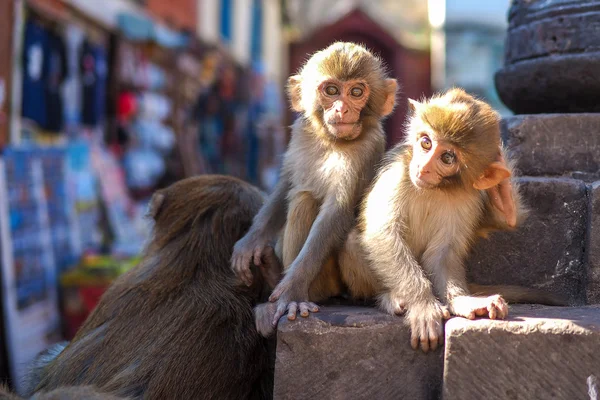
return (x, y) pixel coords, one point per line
(271, 217)
(265, 226)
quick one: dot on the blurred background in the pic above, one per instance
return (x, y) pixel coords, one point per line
(104, 101)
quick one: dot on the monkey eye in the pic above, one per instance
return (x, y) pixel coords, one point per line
(425, 143)
(356, 92)
(448, 158)
(331, 90)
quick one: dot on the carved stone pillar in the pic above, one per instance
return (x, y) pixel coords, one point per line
(552, 57)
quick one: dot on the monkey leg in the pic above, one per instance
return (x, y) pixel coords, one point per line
(354, 270)
(302, 212)
(328, 282)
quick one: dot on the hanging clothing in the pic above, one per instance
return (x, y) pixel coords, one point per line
(94, 71)
(34, 72)
(56, 74)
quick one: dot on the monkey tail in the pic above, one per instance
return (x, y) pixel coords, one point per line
(519, 294)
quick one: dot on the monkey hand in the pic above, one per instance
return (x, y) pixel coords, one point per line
(426, 324)
(249, 249)
(291, 299)
(263, 318)
(494, 307)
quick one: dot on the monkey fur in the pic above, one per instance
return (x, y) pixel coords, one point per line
(342, 94)
(435, 193)
(63, 393)
(180, 324)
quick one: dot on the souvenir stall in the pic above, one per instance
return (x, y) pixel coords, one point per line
(102, 117)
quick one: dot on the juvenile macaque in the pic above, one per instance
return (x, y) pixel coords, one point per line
(180, 324)
(434, 193)
(342, 93)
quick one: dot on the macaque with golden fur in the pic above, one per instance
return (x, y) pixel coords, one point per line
(434, 193)
(342, 93)
(180, 324)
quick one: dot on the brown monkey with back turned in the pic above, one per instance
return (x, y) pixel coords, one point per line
(434, 193)
(180, 324)
(342, 93)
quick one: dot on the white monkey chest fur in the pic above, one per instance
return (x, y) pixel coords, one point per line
(436, 223)
(317, 170)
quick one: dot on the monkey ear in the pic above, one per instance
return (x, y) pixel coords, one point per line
(493, 175)
(294, 93)
(155, 204)
(413, 105)
(391, 86)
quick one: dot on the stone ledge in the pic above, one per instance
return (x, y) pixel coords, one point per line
(547, 252)
(555, 144)
(593, 246)
(346, 352)
(538, 353)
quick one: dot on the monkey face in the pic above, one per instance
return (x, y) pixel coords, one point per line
(342, 103)
(434, 162)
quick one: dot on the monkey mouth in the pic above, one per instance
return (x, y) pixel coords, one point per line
(421, 183)
(344, 129)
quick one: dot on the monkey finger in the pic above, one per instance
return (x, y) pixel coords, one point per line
(257, 256)
(281, 308)
(313, 307)
(424, 337)
(445, 312)
(292, 310)
(276, 293)
(414, 340)
(433, 340)
(492, 311)
(304, 312)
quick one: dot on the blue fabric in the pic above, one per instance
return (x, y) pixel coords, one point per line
(94, 72)
(256, 32)
(35, 71)
(226, 20)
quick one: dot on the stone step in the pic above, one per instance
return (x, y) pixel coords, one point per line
(555, 144)
(593, 246)
(538, 353)
(346, 352)
(549, 250)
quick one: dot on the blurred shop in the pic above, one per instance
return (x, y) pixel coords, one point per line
(99, 107)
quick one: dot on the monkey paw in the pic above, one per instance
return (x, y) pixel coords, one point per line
(426, 325)
(495, 307)
(246, 251)
(392, 304)
(263, 318)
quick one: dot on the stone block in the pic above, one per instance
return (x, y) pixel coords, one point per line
(554, 144)
(593, 283)
(537, 353)
(346, 352)
(547, 251)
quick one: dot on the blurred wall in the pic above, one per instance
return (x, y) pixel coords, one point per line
(180, 14)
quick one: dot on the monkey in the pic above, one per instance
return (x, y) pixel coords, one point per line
(342, 94)
(447, 183)
(180, 324)
(63, 393)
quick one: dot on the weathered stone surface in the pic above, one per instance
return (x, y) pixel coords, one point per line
(552, 57)
(538, 353)
(554, 144)
(547, 252)
(353, 353)
(568, 83)
(593, 284)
